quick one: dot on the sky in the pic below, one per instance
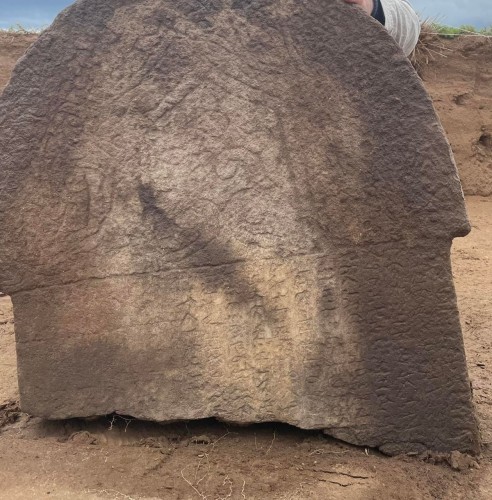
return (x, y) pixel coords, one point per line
(40, 13)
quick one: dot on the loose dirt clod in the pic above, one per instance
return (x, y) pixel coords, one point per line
(9, 413)
(459, 461)
(83, 438)
(201, 439)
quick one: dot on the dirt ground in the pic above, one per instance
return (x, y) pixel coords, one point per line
(460, 84)
(117, 458)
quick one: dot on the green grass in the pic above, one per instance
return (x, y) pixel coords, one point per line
(452, 31)
(21, 30)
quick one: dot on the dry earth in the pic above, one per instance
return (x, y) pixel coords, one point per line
(460, 84)
(117, 458)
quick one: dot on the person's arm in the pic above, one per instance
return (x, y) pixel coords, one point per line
(397, 16)
(402, 23)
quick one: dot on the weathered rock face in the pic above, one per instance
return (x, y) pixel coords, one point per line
(233, 209)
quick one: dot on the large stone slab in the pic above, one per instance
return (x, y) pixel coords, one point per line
(233, 209)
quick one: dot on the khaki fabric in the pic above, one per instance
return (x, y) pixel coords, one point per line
(402, 23)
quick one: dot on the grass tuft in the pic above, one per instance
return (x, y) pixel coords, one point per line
(428, 48)
(431, 44)
(452, 31)
(18, 29)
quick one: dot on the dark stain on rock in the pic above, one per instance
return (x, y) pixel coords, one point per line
(201, 12)
(195, 251)
(251, 5)
(161, 221)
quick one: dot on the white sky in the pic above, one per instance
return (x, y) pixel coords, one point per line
(456, 12)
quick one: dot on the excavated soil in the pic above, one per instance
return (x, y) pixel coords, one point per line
(459, 80)
(118, 458)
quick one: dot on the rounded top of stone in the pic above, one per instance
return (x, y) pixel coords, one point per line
(142, 135)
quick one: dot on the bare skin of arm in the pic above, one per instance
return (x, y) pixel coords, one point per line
(366, 5)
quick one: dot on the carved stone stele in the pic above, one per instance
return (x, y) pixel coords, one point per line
(237, 209)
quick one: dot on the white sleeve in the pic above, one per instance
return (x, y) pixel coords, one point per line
(402, 23)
